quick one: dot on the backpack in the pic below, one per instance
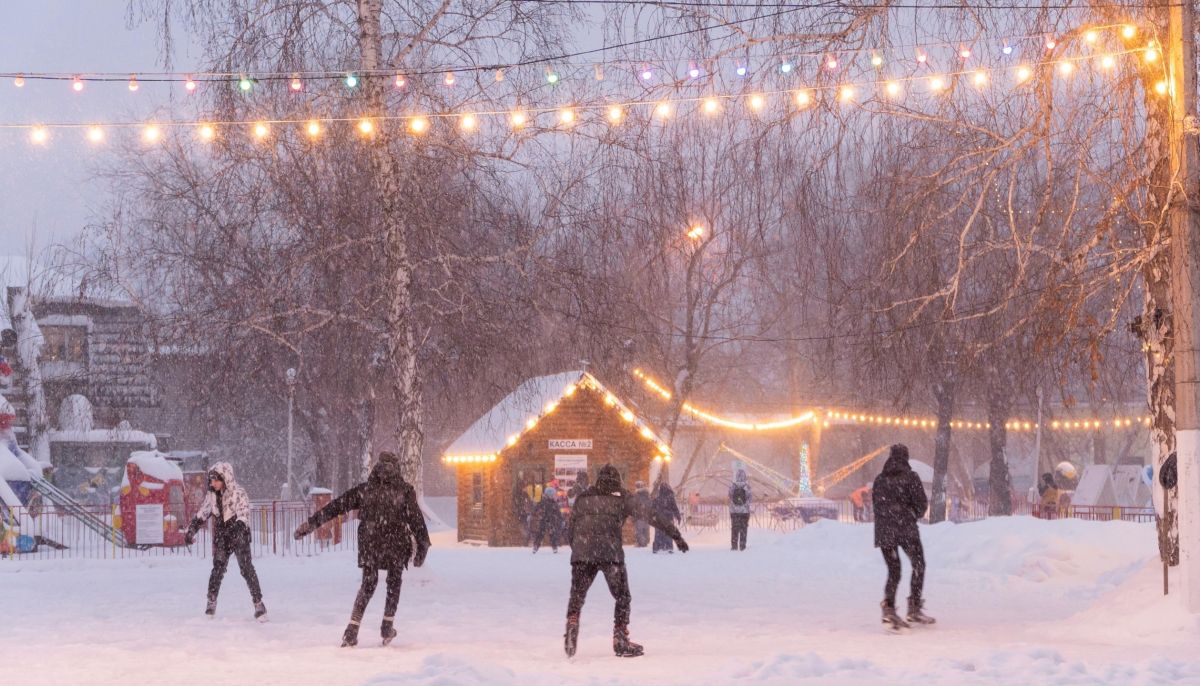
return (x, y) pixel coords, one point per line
(739, 495)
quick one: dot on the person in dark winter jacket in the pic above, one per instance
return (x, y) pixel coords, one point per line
(391, 534)
(740, 498)
(667, 510)
(549, 520)
(641, 527)
(595, 537)
(899, 502)
(228, 505)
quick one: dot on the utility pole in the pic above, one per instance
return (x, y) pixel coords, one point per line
(291, 386)
(1185, 278)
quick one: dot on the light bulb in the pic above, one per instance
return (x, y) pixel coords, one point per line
(786, 67)
(694, 73)
(400, 81)
(133, 84)
(39, 135)
(518, 119)
(313, 128)
(1090, 36)
(1065, 68)
(297, 85)
(351, 81)
(696, 232)
(365, 127)
(245, 84)
(757, 102)
(1151, 55)
(876, 61)
(1023, 74)
(418, 125)
(846, 93)
(450, 79)
(615, 114)
(741, 70)
(261, 130)
(980, 78)
(1007, 50)
(551, 78)
(711, 105)
(922, 58)
(1129, 31)
(892, 88)
(95, 134)
(207, 132)
(831, 63)
(76, 84)
(937, 83)
(189, 85)
(1051, 44)
(19, 81)
(663, 110)
(151, 134)
(468, 122)
(965, 53)
(1161, 87)
(566, 116)
(647, 74)
(1108, 62)
(803, 98)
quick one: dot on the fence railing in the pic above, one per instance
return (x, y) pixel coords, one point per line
(56, 533)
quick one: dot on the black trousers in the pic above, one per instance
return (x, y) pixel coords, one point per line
(370, 580)
(234, 541)
(582, 576)
(739, 525)
(916, 556)
(546, 526)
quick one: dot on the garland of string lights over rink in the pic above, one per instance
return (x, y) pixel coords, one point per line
(572, 95)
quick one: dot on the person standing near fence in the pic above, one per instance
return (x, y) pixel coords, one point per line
(666, 510)
(641, 527)
(391, 534)
(740, 498)
(549, 520)
(596, 547)
(229, 506)
(900, 501)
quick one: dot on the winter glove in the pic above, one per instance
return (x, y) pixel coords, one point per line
(303, 530)
(683, 546)
(189, 537)
(419, 556)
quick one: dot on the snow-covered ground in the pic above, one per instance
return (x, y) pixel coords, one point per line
(1019, 601)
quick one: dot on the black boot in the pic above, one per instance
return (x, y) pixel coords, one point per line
(916, 614)
(212, 607)
(350, 636)
(387, 631)
(260, 611)
(890, 617)
(622, 646)
(571, 637)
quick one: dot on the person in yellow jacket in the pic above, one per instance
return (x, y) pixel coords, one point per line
(1050, 495)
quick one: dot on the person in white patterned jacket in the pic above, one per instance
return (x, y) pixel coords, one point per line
(229, 506)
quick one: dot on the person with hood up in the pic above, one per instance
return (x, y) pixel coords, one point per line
(229, 506)
(899, 502)
(859, 499)
(595, 537)
(641, 527)
(391, 534)
(740, 498)
(667, 510)
(549, 520)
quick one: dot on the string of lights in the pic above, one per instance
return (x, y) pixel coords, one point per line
(784, 62)
(829, 417)
(610, 112)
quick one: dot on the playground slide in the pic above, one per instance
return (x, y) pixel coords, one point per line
(71, 507)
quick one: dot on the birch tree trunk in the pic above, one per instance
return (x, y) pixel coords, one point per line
(944, 394)
(999, 479)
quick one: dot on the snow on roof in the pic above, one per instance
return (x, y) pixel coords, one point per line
(104, 436)
(923, 470)
(156, 465)
(509, 418)
(11, 468)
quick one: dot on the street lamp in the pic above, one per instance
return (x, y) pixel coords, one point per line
(291, 386)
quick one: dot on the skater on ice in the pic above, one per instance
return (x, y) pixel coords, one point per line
(391, 534)
(666, 510)
(594, 534)
(899, 501)
(740, 498)
(548, 520)
(229, 506)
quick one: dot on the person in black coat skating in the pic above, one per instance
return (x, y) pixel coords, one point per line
(667, 510)
(594, 533)
(899, 502)
(391, 533)
(549, 520)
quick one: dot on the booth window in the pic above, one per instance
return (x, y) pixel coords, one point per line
(64, 344)
(477, 489)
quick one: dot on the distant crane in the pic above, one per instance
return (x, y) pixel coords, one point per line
(791, 487)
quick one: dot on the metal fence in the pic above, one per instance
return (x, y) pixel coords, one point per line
(58, 535)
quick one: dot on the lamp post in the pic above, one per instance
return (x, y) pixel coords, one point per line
(291, 386)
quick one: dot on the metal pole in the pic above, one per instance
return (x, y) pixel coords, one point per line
(1185, 279)
(291, 383)
(1037, 441)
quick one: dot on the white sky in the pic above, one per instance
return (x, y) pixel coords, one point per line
(49, 192)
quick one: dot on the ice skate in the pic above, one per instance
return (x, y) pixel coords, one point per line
(891, 620)
(387, 632)
(211, 609)
(916, 613)
(622, 646)
(350, 636)
(571, 637)
(260, 611)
